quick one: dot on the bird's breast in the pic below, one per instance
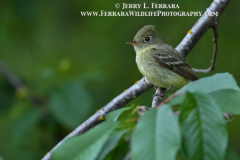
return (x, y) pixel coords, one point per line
(156, 74)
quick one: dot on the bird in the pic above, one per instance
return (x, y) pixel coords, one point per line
(159, 62)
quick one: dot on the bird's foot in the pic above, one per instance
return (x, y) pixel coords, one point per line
(160, 92)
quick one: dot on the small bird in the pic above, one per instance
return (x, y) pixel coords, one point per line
(159, 62)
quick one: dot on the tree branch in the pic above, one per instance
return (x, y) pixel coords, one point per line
(201, 26)
(156, 97)
(189, 41)
(118, 102)
(10, 76)
(197, 31)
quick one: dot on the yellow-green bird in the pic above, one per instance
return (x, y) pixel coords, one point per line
(159, 62)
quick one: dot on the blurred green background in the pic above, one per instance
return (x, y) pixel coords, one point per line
(77, 64)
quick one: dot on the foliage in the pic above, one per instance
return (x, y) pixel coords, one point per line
(199, 132)
(49, 45)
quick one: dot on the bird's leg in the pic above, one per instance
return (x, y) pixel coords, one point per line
(158, 96)
(155, 88)
(159, 91)
(166, 90)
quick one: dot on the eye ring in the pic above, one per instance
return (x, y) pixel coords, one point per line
(147, 39)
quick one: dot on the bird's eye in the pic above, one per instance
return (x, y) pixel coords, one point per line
(147, 39)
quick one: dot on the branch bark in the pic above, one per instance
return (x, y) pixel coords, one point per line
(185, 46)
(201, 26)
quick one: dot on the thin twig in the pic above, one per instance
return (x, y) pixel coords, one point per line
(10, 76)
(228, 116)
(20, 87)
(170, 98)
(215, 50)
(201, 26)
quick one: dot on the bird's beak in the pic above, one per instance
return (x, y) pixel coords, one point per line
(133, 42)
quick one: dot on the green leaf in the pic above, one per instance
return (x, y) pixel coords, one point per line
(129, 113)
(111, 143)
(86, 146)
(157, 136)
(114, 115)
(70, 104)
(127, 116)
(25, 123)
(120, 151)
(177, 100)
(228, 100)
(221, 87)
(231, 154)
(211, 84)
(203, 128)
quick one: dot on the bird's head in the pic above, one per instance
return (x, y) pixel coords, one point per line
(146, 37)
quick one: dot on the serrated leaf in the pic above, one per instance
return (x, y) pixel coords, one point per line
(111, 143)
(203, 128)
(70, 104)
(228, 100)
(157, 136)
(211, 84)
(86, 146)
(221, 87)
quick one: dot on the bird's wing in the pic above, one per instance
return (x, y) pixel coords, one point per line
(178, 66)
